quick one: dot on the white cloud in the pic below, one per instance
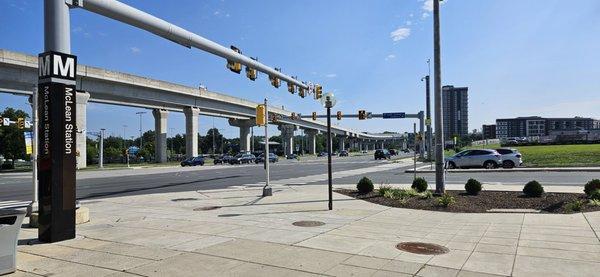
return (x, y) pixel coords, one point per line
(331, 75)
(411, 15)
(428, 5)
(400, 34)
(425, 15)
(390, 57)
(135, 50)
(408, 23)
(216, 13)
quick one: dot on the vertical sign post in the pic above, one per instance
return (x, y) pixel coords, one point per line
(57, 147)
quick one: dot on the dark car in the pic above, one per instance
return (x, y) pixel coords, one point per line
(291, 157)
(261, 158)
(223, 159)
(393, 152)
(242, 159)
(343, 153)
(322, 154)
(382, 154)
(193, 161)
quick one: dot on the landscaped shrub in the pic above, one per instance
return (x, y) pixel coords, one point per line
(594, 202)
(595, 195)
(473, 187)
(446, 200)
(365, 185)
(533, 189)
(399, 194)
(591, 186)
(419, 184)
(426, 194)
(383, 189)
(575, 206)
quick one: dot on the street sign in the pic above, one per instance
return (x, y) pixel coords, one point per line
(6, 121)
(28, 142)
(428, 121)
(394, 115)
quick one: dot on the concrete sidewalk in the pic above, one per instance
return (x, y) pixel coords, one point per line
(235, 232)
(430, 169)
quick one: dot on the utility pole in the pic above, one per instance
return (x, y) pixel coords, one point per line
(124, 137)
(33, 208)
(172, 150)
(440, 186)
(415, 151)
(428, 116)
(141, 137)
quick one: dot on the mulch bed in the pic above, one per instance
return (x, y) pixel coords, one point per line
(485, 200)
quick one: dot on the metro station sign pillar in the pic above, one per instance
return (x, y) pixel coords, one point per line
(57, 146)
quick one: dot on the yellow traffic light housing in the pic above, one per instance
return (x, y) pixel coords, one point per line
(318, 91)
(362, 115)
(21, 123)
(291, 88)
(235, 66)
(260, 115)
(339, 115)
(251, 73)
(301, 92)
(314, 116)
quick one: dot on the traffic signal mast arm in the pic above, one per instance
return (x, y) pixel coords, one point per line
(368, 115)
(134, 17)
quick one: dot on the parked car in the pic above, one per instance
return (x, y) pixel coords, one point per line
(343, 153)
(291, 157)
(510, 157)
(193, 161)
(322, 154)
(486, 158)
(382, 154)
(261, 158)
(223, 159)
(365, 151)
(393, 152)
(242, 159)
(406, 150)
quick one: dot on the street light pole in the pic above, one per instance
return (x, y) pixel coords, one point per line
(428, 116)
(101, 160)
(329, 175)
(440, 186)
(267, 190)
(141, 137)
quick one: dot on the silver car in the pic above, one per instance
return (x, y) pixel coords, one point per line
(510, 157)
(486, 158)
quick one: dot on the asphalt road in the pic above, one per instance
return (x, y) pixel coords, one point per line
(107, 183)
(91, 184)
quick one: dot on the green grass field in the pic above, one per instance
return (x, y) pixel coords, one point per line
(556, 155)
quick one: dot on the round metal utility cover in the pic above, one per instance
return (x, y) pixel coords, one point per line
(308, 223)
(207, 208)
(183, 199)
(422, 248)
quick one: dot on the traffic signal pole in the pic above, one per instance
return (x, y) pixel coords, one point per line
(329, 173)
(267, 190)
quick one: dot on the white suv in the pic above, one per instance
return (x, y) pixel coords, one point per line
(510, 157)
(487, 158)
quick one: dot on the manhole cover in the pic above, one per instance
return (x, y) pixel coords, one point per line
(422, 248)
(207, 208)
(308, 223)
(183, 199)
(228, 215)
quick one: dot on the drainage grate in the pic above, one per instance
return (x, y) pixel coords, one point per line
(207, 208)
(422, 248)
(183, 199)
(308, 223)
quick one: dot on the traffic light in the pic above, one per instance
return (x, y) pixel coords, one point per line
(339, 115)
(318, 91)
(1, 121)
(260, 115)
(251, 73)
(291, 88)
(314, 116)
(362, 115)
(235, 66)
(21, 123)
(293, 116)
(273, 118)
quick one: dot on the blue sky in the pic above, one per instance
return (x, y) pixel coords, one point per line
(518, 58)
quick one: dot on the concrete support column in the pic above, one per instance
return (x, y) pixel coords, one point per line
(312, 141)
(382, 144)
(245, 135)
(342, 142)
(287, 138)
(160, 135)
(81, 100)
(191, 131)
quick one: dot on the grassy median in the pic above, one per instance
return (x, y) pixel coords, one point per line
(555, 155)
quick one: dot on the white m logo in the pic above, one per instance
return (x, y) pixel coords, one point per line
(66, 69)
(44, 65)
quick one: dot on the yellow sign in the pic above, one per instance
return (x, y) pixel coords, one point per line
(260, 115)
(428, 121)
(28, 142)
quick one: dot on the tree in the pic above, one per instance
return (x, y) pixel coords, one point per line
(206, 142)
(12, 140)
